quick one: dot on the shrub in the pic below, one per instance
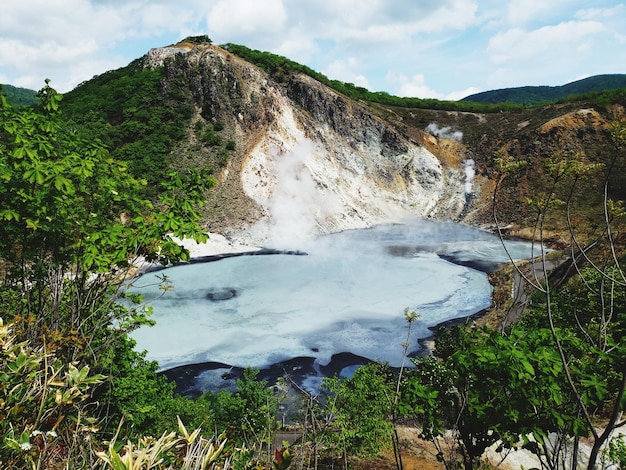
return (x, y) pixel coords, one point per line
(43, 418)
(173, 451)
(211, 139)
(362, 406)
(250, 412)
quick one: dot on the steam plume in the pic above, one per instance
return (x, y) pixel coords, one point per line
(470, 172)
(297, 202)
(444, 132)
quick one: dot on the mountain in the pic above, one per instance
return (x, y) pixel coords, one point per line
(296, 157)
(297, 147)
(19, 96)
(534, 95)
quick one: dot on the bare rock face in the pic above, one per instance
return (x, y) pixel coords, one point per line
(310, 161)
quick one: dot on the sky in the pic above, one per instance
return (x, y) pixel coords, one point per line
(444, 49)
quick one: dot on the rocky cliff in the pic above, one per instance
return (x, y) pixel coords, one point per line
(311, 161)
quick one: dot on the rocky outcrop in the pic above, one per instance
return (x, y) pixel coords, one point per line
(309, 160)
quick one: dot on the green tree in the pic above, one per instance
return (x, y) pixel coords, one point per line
(581, 303)
(249, 413)
(19, 96)
(135, 115)
(144, 398)
(74, 224)
(361, 407)
(489, 388)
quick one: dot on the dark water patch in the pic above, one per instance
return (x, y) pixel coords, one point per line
(481, 265)
(460, 259)
(217, 257)
(191, 381)
(261, 252)
(188, 378)
(222, 294)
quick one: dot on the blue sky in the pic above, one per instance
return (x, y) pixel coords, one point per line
(443, 49)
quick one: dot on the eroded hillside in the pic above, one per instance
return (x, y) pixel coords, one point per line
(538, 137)
(309, 160)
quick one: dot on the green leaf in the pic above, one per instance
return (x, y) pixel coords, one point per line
(35, 175)
(19, 153)
(32, 224)
(528, 367)
(25, 437)
(9, 214)
(63, 184)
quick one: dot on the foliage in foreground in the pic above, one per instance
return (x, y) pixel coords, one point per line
(48, 422)
(73, 222)
(44, 412)
(172, 451)
(361, 409)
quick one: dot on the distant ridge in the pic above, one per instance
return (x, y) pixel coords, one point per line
(19, 96)
(533, 95)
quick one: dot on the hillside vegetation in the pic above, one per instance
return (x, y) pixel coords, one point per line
(538, 95)
(134, 115)
(603, 89)
(92, 183)
(19, 96)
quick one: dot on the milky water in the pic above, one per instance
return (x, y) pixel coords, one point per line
(347, 294)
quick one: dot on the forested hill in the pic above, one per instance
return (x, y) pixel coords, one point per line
(277, 65)
(19, 96)
(534, 95)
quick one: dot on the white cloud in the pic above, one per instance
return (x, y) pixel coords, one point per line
(246, 16)
(521, 12)
(518, 44)
(433, 46)
(458, 95)
(346, 71)
(613, 19)
(299, 49)
(617, 11)
(51, 59)
(414, 87)
(552, 43)
(379, 21)
(456, 15)
(77, 39)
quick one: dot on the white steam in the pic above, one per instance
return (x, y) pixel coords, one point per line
(470, 172)
(457, 136)
(444, 132)
(296, 202)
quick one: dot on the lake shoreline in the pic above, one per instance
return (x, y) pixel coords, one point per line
(197, 378)
(189, 378)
